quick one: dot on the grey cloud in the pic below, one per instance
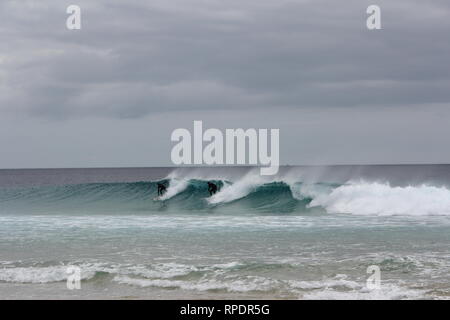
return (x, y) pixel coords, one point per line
(110, 94)
(137, 57)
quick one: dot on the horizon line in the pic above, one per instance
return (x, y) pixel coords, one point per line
(228, 166)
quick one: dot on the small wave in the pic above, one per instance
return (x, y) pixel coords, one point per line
(40, 274)
(160, 270)
(339, 281)
(57, 273)
(336, 288)
(386, 292)
(248, 284)
(340, 287)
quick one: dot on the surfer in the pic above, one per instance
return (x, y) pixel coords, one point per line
(161, 189)
(212, 188)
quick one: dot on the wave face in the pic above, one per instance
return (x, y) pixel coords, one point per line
(248, 193)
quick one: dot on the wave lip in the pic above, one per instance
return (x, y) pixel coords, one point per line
(238, 190)
(176, 186)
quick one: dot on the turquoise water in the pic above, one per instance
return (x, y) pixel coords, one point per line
(300, 235)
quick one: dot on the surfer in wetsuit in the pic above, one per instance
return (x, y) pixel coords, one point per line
(161, 189)
(212, 188)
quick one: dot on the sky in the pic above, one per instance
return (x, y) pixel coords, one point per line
(110, 94)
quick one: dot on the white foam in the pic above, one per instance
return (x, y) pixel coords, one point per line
(386, 292)
(338, 281)
(161, 270)
(163, 275)
(364, 198)
(39, 274)
(229, 265)
(239, 189)
(336, 288)
(341, 288)
(239, 285)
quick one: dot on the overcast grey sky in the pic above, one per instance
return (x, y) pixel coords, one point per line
(111, 93)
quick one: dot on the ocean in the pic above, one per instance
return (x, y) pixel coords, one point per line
(307, 233)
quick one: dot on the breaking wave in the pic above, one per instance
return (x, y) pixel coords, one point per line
(250, 192)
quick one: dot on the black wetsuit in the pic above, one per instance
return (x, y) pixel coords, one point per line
(161, 189)
(212, 188)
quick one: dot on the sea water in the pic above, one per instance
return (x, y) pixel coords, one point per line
(307, 233)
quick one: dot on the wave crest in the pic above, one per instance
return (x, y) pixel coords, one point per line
(364, 198)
